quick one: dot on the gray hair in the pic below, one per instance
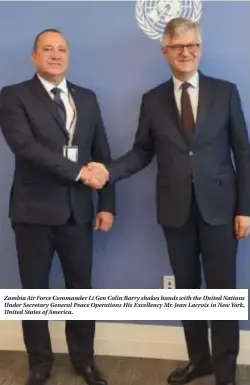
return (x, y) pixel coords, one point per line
(177, 26)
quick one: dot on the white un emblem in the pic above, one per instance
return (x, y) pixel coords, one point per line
(153, 15)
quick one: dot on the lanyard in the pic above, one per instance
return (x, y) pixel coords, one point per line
(72, 125)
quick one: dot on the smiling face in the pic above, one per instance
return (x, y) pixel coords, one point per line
(51, 56)
(183, 53)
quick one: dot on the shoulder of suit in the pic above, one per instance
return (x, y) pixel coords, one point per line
(85, 91)
(218, 81)
(212, 80)
(19, 87)
(156, 90)
(15, 87)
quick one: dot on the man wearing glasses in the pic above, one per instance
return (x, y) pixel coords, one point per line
(192, 123)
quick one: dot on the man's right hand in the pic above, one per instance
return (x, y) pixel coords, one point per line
(94, 175)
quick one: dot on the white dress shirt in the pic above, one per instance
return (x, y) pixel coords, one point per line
(193, 93)
(65, 96)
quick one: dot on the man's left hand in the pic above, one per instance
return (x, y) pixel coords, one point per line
(104, 221)
(242, 226)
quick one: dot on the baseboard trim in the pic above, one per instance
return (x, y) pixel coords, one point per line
(119, 339)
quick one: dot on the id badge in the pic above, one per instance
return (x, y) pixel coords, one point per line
(71, 153)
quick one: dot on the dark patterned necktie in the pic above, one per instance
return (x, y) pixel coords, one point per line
(59, 104)
(186, 111)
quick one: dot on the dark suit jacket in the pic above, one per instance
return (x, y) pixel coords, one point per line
(221, 189)
(44, 188)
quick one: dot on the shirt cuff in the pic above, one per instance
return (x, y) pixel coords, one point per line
(78, 177)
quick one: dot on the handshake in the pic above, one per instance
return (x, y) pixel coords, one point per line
(94, 175)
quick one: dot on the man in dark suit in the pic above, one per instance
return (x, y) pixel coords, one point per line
(192, 122)
(54, 128)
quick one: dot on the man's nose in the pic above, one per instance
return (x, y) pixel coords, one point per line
(55, 54)
(185, 51)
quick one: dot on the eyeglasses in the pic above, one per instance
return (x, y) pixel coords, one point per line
(179, 48)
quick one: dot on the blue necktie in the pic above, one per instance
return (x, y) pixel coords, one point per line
(59, 104)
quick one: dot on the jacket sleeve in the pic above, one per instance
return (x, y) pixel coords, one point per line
(241, 152)
(101, 154)
(141, 153)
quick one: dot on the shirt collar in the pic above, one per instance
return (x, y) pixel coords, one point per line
(194, 81)
(49, 86)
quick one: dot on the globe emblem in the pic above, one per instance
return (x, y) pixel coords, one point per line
(152, 15)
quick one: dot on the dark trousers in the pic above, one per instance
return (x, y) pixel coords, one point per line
(36, 246)
(217, 247)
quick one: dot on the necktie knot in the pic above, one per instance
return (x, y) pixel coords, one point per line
(185, 86)
(56, 91)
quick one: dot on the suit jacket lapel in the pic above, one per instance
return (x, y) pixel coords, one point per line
(204, 103)
(43, 96)
(176, 132)
(77, 99)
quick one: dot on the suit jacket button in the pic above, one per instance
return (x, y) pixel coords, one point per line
(191, 153)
